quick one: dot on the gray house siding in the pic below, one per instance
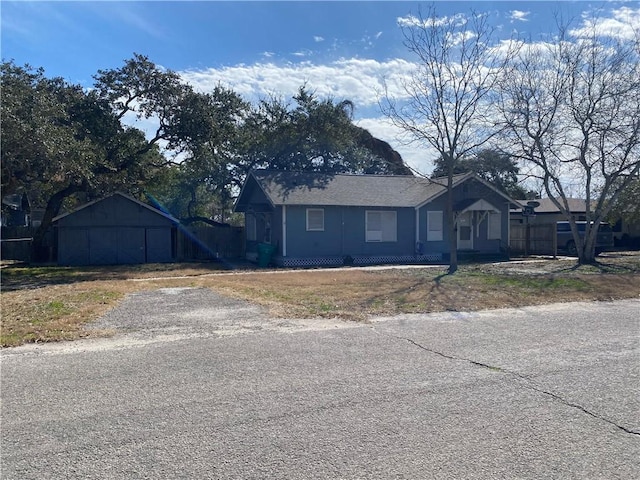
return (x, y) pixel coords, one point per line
(115, 230)
(302, 243)
(344, 235)
(345, 232)
(479, 224)
(285, 197)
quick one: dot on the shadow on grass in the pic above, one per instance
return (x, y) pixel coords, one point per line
(26, 277)
(421, 290)
(439, 278)
(601, 267)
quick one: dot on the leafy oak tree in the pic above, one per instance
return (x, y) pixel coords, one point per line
(60, 141)
(208, 127)
(313, 135)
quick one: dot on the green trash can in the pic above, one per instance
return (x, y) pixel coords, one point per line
(265, 252)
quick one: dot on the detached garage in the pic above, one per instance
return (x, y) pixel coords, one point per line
(116, 230)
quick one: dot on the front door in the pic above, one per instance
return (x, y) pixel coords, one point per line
(465, 231)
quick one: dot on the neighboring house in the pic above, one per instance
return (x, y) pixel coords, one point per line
(547, 212)
(326, 219)
(625, 233)
(15, 211)
(16, 227)
(117, 229)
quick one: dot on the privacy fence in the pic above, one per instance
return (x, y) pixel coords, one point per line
(533, 240)
(15, 243)
(208, 243)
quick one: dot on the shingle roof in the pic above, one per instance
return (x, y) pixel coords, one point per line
(576, 205)
(304, 188)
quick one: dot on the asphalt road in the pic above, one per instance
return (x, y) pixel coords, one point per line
(198, 386)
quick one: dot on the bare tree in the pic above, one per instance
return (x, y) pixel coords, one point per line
(447, 97)
(571, 111)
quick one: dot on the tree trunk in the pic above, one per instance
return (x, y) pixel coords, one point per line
(586, 254)
(39, 251)
(453, 237)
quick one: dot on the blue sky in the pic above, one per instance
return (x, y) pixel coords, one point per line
(340, 49)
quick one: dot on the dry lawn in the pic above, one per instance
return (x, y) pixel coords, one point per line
(42, 304)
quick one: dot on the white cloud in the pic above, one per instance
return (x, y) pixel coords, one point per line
(409, 21)
(456, 38)
(318, 38)
(456, 20)
(623, 23)
(359, 80)
(518, 15)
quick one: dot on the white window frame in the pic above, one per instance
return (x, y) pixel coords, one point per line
(310, 226)
(388, 231)
(435, 226)
(494, 226)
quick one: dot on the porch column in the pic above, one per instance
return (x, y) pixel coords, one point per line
(284, 230)
(509, 229)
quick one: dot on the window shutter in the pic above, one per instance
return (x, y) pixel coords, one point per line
(389, 226)
(381, 226)
(495, 226)
(315, 219)
(434, 226)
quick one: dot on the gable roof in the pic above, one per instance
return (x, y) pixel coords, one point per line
(474, 204)
(127, 197)
(318, 189)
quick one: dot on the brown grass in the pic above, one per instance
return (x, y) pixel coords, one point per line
(41, 304)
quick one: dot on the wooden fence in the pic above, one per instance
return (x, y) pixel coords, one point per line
(534, 240)
(193, 243)
(15, 243)
(207, 243)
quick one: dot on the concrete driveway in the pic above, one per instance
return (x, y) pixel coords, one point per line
(196, 385)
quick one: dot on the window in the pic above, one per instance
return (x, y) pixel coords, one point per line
(495, 226)
(381, 226)
(434, 226)
(315, 220)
